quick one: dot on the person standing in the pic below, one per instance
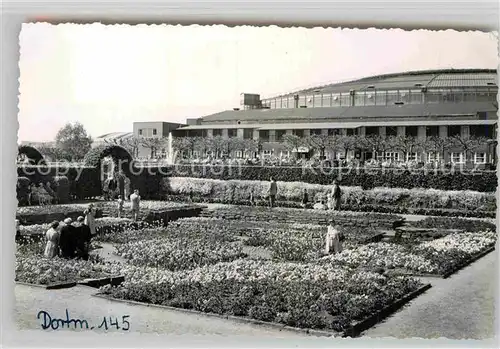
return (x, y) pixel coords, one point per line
(52, 236)
(83, 237)
(135, 200)
(18, 231)
(68, 239)
(273, 191)
(334, 239)
(305, 199)
(120, 203)
(336, 196)
(89, 221)
(251, 199)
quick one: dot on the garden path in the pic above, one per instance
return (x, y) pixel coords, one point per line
(460, 307)
(80, 304)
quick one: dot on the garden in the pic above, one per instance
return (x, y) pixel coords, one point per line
(259, 264)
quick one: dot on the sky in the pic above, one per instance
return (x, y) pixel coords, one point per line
(107, 77)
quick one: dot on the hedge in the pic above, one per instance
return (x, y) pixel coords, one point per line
(236, 191)
(87, 185)
(482, 181)
(31, 153)
(62, 189)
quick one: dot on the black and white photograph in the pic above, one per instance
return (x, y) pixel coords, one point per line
(267, 182)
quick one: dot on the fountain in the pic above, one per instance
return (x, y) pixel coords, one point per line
(170, 158)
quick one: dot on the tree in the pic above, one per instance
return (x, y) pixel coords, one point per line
(438, 145)
(468, 144)
(252, 145)
(293, 142)
(319, 142)
(405, 144)
(132, 145)
(73, 141)
(153, 144)
(347, 143)
(234, 144)
(377, 144)
(217, 145)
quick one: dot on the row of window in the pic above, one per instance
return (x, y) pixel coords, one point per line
(370, 98)
(410, 131)
(148, 132)
(455, 157)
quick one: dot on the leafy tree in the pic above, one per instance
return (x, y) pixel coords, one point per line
(132, 145)
(319, 142)
(234, 144)
(217, 145)
(73, 141)
(347, 143)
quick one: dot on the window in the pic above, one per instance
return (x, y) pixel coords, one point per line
(352, 132)
(479, 158)
(454, 131)
(299, 133)
(411, 156)
(279, 135)
(217, 132)
(457, 158)
(247, 133)
(481, 131)
(334, 132)
(140, 132)
(232, 132)
(432, 131)
(388, 156)
(433, 157)
(411, 131)
(196, 153)
(267, 152)
(264, 135)
(391, 131)
(154, 132)
(315, 131)
(372, 131)
(239, 154)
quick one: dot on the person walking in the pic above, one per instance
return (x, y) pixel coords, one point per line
(52, 236)
(89, 221)
(334, 239)
(336, 196)
(135, 200)
(273, 191)
(68, 239)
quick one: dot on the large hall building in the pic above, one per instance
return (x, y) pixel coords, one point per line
(421, 104)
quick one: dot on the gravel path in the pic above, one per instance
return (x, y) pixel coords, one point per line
(460, 307)
(80, 304)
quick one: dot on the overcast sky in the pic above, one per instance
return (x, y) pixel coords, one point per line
(107, 77)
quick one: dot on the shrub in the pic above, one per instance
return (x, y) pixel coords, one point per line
(31, 153)
(62, 189)
(22, 190)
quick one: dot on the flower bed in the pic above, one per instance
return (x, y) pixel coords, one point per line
(467, 225)
(298, 295)
(437, 257)
(178, 254)
(36, 269)
(236, 191)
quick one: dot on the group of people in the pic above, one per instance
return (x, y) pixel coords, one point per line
(333, 201)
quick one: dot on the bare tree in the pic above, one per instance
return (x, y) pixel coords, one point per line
(319, 142)
(153, 144)
(438, 145)
(377, 144)
(347, 143)
(405, 144)
(293, 142)
(468, 144)
(216, 145)
(132, 145)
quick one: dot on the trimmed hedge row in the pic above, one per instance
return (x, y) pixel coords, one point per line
(237, 191)
(367, 178)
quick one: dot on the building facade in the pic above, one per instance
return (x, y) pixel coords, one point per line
(441, 103)
(148, 134)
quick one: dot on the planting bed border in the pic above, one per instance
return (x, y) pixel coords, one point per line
(318, 333)
(456, 269)
(355, 330)
(363, 325)
(96, 283)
